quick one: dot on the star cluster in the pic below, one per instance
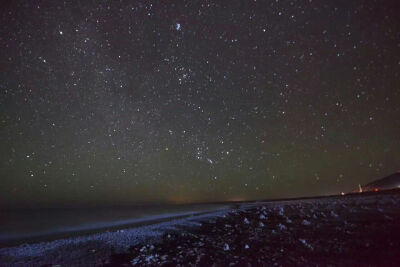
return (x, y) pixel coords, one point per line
(111, 102)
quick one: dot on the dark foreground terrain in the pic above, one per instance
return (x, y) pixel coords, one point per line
(354, 230)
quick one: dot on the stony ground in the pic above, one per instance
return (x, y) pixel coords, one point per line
(342, 231)
(95, 249)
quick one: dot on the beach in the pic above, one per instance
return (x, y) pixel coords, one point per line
(358, 229)
(95, 249)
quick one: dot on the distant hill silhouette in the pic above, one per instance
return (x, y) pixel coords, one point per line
(388, 182)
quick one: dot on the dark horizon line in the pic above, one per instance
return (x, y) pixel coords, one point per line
(153, 204)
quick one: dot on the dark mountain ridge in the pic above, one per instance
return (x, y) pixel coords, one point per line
(389, 182)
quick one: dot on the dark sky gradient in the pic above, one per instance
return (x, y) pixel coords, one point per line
(109, 102)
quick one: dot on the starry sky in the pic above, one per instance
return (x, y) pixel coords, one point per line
(121, 102)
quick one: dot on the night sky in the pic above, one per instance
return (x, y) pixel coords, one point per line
(121, 102)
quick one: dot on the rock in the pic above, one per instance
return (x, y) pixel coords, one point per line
(282, 227)
(226, 247)
(304, 242)
(281, 211)
(333, 214)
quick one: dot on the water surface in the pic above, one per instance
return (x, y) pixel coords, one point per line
(27, 225)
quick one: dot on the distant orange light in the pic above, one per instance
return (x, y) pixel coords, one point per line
(376, 189)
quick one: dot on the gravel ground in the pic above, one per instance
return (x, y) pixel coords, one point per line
(353, 230)
(341, 231)
(95, 249)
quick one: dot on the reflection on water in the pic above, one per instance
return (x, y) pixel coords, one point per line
(45, 222)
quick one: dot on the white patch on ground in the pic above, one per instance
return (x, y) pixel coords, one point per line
(226, 247)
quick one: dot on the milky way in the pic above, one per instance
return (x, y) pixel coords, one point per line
(111, 102)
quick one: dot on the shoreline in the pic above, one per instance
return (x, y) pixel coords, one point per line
(88, 229)
(281, 221)
(359, 230)
(102, 243)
